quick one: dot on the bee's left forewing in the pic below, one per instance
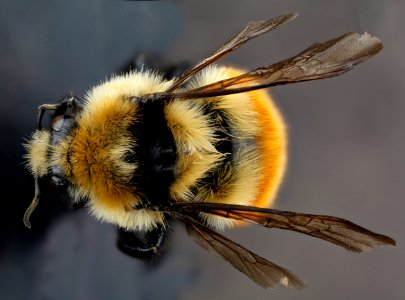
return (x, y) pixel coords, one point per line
(332, 229)
(321, 60)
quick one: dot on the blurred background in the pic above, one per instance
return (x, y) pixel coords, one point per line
(346, 150)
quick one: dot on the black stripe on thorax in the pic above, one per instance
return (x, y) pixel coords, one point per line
(155, 154)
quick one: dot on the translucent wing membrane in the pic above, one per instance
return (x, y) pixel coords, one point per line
(261, 271)
(335, 230)
(252, 30)
(321, 60)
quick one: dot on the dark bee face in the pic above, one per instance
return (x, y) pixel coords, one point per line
(62, 122)
(64, 117)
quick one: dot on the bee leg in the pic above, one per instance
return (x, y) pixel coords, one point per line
(145, 246)
(41, 110)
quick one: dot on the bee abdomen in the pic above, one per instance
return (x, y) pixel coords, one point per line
(231, 149)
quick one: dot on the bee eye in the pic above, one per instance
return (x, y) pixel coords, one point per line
(57, 123)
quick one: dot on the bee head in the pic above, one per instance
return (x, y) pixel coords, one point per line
(42, 141)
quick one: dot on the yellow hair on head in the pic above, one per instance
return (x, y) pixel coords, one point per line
(37, 153)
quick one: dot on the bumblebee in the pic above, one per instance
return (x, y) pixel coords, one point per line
(207, 148)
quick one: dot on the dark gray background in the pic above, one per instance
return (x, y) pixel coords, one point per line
(346, 147)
